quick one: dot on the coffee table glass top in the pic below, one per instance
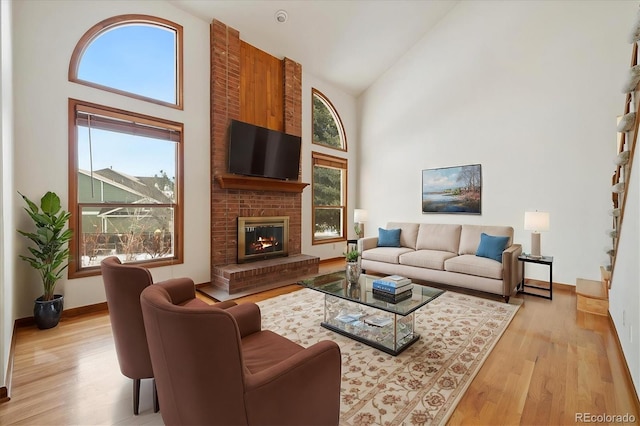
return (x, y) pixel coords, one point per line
(336, 285)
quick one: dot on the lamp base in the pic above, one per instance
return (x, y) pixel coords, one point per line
(535, 245)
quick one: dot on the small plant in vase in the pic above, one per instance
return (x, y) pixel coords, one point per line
(352, 258)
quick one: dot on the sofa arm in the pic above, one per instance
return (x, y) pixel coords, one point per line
(367, 243)
(180, 289)
(308, 380)
(511, 274)
(248, 318)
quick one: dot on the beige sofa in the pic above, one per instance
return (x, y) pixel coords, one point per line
(446, 254)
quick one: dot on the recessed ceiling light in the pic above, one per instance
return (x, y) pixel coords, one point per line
(281, 16)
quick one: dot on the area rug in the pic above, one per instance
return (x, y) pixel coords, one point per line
(423, 384)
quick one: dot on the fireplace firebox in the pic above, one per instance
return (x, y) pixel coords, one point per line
(262, 237)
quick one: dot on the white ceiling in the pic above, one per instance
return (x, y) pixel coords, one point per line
(346, 43)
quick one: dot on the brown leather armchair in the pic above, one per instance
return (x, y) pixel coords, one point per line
(218, 367)
(123, 285)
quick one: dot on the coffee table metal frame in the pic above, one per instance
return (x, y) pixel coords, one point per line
(353, 311)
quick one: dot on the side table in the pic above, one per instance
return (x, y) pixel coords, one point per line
(352, 244)
(544, 260)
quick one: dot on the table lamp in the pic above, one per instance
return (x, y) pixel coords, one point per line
(359, 217)
(536, 222)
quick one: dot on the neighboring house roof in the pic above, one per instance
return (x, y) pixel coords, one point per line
(147, 188)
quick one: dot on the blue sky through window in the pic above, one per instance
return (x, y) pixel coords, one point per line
(140, 59)
(136, 58)
(133, 155)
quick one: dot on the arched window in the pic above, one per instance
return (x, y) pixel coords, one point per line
(327, 126)
(120, 53)
(125, 167)
(329, 183)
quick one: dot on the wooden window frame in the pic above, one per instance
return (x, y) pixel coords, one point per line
(147, 124)
(120, 20)
(330, 161)
(336, 117)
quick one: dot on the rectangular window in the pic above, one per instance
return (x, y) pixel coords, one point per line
(329, 198)
(125, 188)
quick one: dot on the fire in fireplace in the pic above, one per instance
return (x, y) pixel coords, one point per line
(262, 237)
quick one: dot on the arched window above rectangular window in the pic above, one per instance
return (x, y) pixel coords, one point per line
(120, 53)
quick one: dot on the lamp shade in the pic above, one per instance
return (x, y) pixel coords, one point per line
(536, 221)
(359, 215)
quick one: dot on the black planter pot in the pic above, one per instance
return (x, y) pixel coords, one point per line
(47, 312)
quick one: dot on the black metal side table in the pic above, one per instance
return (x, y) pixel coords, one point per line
(544, 260)
(352, 244)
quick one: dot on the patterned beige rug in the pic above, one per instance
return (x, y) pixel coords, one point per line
(422, 385)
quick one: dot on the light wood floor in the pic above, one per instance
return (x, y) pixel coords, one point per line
(550, 364)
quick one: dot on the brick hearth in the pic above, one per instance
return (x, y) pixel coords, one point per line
(248, 278)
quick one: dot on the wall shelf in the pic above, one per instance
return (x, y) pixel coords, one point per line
(251, 183)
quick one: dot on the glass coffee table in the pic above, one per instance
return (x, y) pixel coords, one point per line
(353, 310)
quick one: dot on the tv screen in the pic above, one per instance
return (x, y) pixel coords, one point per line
(258, 151)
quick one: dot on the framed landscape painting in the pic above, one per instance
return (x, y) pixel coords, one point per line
(452, 190)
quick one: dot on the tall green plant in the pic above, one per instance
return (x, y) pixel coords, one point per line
(49, 256)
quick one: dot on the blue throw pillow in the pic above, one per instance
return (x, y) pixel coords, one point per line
(388, 237)
(492, 247)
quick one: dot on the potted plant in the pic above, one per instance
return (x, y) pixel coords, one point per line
(49, 254)
(352, 258)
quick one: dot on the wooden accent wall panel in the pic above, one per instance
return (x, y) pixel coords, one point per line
(261, 88)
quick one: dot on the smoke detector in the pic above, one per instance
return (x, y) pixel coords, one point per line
(281, 16)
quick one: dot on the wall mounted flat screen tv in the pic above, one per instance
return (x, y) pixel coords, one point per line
(258, 151)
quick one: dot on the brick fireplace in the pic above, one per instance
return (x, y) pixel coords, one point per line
(235, 92)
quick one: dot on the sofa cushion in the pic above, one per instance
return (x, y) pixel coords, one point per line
(491, 246)
(431, 259)
(470, 236)
(408, 234)
(473, 265)
(385, 254)
(443, 237)
(388, 237)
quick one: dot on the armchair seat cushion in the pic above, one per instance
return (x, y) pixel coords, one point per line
(193, 303)
(265, 349)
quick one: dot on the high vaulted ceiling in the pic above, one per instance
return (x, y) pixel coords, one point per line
(346, 43)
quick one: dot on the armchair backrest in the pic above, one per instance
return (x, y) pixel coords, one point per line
(205, 343)
(123, 285)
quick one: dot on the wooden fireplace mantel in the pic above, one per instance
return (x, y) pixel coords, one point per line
(251, 183)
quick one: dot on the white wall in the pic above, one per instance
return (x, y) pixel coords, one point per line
(6, 189)
(625, 286)
(45, 34)
(345, 105)
(528, 89)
